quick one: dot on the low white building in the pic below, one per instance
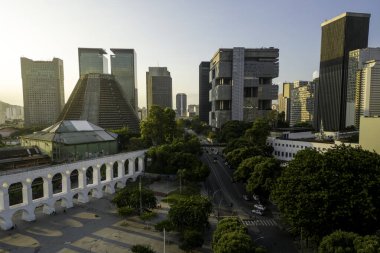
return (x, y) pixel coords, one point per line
(286, 146)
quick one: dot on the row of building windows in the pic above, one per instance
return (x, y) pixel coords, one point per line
(284, 154)
(288, 145)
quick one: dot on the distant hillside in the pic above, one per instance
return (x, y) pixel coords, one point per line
(3, 108)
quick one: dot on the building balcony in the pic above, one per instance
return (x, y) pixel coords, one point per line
(222, 92)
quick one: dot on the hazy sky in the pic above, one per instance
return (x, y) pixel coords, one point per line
(177, 34)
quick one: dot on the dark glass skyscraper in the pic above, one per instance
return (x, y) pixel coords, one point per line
(158, 87)
(123, 67)
(204, 88)
(340, 35)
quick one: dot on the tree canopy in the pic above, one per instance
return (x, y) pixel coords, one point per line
(160, 125)
(190, 212)
(182, 153)
(262, 179)
(324, 192)
(246, 167)
(231, 236)
(259, 132)
(232, 130)
(130, 197)
(138, 248)
(342, 241)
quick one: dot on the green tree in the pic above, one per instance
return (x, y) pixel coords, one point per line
(259, 132)
(191, 239)
(123, 136)
(191, 212)
(335, 190)
(232, 130)
(246, 167)
(130, 197)
(138, 248)
(367, 244)
(262, 179)
(232, 242)
(160, 126)
(338, 242)
(227, 225)
(236, 156)
(236, 144)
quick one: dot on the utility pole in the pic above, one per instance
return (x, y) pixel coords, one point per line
(164, 241)
(140, 196)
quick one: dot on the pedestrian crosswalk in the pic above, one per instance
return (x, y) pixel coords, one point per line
(261, 222)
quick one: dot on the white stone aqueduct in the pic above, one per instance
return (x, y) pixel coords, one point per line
(107, 173)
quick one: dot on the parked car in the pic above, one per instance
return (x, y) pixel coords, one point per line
(245, 197)
(255, 197)
(259, 207)
(257, 211)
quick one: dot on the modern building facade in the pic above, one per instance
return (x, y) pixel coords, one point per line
(181, 105)
(159, 87)
(241, 84)
(284, 100)
(98, 99)
(43, 91)
(92, 60)
(369, 98)
(124, 68)
(193, 110)
(369, 133)
(302, 103)
(340, 35)
(204, 88)
(359, 85)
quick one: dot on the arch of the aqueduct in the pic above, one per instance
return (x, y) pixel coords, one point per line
(129, 167)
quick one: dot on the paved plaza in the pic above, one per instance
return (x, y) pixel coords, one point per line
(91, 227)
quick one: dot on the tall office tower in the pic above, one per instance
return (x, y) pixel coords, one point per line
(284, 100)
(181, 104)
(98, 99)
(92, 60)
(242, 86)
(204, 88)
(357, 60)
(43, 91)
(159, 87)
(302, 103)
(340, 35)
(124, 68)
(368, 91)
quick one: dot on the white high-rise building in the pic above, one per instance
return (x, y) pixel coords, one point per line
(369, 100)
(358, 60)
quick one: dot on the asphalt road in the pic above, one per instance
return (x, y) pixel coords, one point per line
(227, 198)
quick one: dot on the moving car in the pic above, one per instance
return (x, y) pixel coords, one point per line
(259, 207)
(256, 211)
